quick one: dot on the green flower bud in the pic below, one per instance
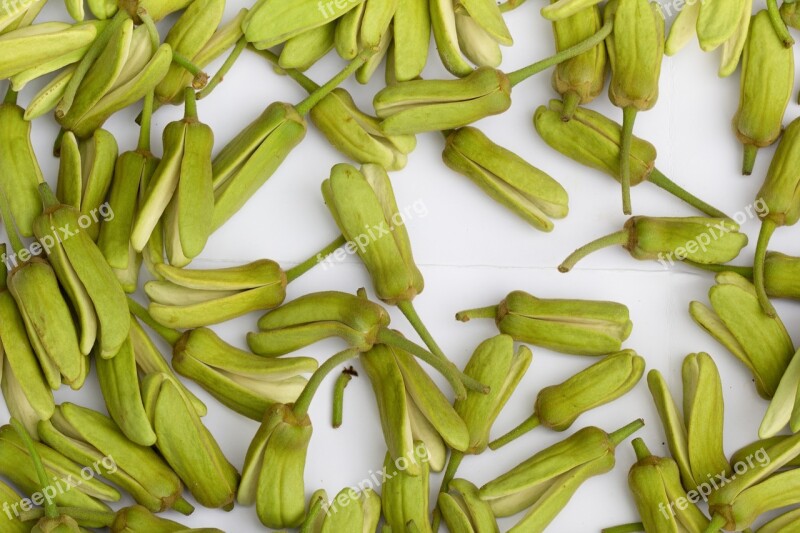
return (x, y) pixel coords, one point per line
(155, 9)
(558, 406)
(581, 79)
(546, 482)
(251, 158)
(635, 50)
(788, 521)
(31, 46)
(187, 445)
(271, 22)
(138, 519)
(781, 275)
(738, 322)
(699, 239)
(11, 524)
(181, 188)
(304, 50)
(64, 476)
(694, 439)
(87, 279)
(405, 496)
(411, 29)
(783, 409)
(87, 437)
(242, 381)
(358, 135)
(103, 9)
(20, 174)
(757, 450)
(579, 327)
(767, 80)
(360, 511)
(195, 298)
(420, 105)
(790, 13)
(656, 485)
(358, 199)
(464, 511)
(716, 23)
(273, 472)
(19, 15)
(506, 177)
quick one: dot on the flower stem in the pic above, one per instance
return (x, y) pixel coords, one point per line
(620, 237)
(304, 81)
(303, 402)
(576, 50)
(777, 22)
(717, 522)
(338, 396)
(190, 104)
(155, 38)
(452, 467)
(571, 102)
(658, 179)
(767, 229)
(241, 44)
(11, 225)
(749, 159)
(624, 432)
(169, 335)
(200, 77)
(628, 119)
(526, 426)
(146, 122)
(50, 509)
(641, 450)
(11, 96)
(308, 104)
(407, 308)
(633, 527)
(481, 312)
(297, 271)
(84, 517)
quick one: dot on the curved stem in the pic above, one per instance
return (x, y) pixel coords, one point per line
(457, 379)
(633, 527)
(200, 77)
(576, 50)
(146, 122)
(155, 38)
(50, 509)
(641, 450)
(481, 312)
(660, 180)
(571, 101)
(526, 426)
(624, 432)
(303, 402)
(338, 396)
(169, 335)
(297, 271)
(407, 308)
(452, 467)
(88, 60)
(628, 119)
(304, 81)
(777, 22)
(743, 271)
(749, 159)
(767, 229)
(306, 105)
(11, 96)
(510, 5)
(219, 76)
(620, 237)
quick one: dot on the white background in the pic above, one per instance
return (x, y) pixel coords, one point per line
(473, 252)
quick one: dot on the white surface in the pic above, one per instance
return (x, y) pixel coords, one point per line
(473, 252)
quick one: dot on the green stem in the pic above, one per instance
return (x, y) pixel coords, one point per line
(624, 432)
(457, 379)
(481, 312)
(303, 402)
(743, 271)
(749, 159)
(146, 122)
(169, 335)
(777, 22)
(182, 506)
(660, 180)
(190, 104)
(571, 102)
(155, 38)
(241, 44)
(633, 527)
(310, 523)
(641, 450)
(410, 312)
(11, 96)
(576, 50)
(338, 396)
(49, 200)
(11, 225)
(767, 229)
(304, 81)
(510, 5)
(621, 238)
(50, 509)
(84, 517)
(452, 467)
(628, 119)
(200, 77)
(297, 271)
(88, 60)
(717, 523)
(308, 104)
(526, 426)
